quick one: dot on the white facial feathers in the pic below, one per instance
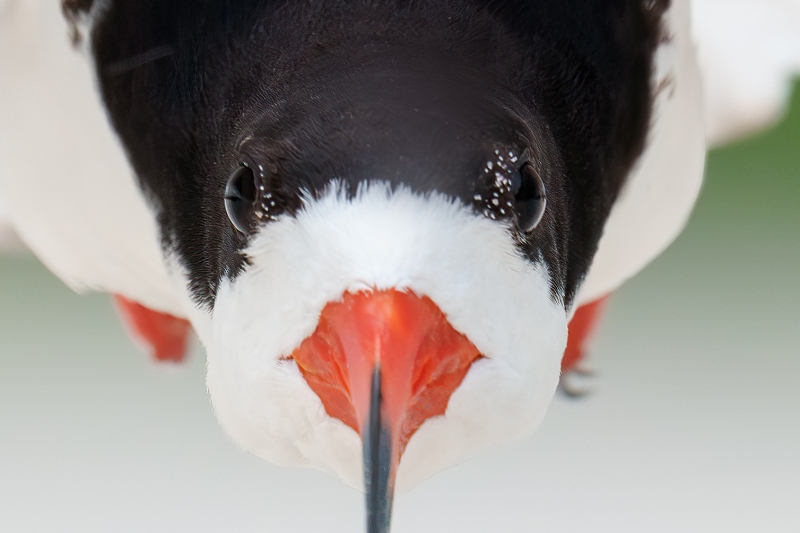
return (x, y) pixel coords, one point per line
(382, 239)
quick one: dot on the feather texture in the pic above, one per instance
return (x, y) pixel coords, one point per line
(656, 202)
(76, 203)
(80, 211)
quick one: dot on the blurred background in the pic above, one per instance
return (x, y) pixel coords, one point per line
(693, 423)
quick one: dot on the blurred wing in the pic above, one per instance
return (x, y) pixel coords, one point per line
(67, 186)
(724, 73)
(748, 50)
(661, 190)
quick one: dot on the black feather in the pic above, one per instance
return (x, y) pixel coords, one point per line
(417, 93)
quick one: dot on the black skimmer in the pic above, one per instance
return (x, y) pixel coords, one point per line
(379, 217)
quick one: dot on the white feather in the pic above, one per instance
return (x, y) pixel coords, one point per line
(748, 51)
(467, 264)
(75, 201)
(663, 187)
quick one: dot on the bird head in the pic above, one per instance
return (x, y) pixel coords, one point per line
(381, 217)
(392, 311)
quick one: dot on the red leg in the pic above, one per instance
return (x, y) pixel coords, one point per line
(165, 336)
(581, 328)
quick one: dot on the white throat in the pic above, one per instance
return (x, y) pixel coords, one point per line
(382, 239)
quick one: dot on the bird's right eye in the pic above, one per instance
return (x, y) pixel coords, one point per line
(240, 198)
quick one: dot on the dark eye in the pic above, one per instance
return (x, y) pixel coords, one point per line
(240, 198)
(530, 198)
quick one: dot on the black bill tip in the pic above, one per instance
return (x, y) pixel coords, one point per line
(378, 471)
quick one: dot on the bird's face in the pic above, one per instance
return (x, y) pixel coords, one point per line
(381, 212)
(378, 253)
(384, 319)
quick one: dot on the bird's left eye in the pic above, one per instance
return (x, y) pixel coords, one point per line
(240, 198)
(530, 198)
